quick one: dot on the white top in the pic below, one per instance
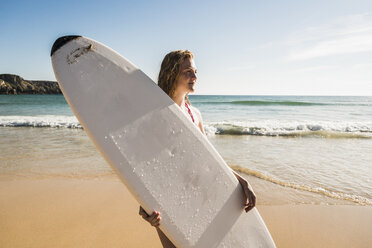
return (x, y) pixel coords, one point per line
(192, 110)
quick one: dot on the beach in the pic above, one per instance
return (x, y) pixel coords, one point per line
(110, 106)
(102, 213)
(313, 187)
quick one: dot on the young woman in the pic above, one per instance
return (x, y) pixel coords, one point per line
(177, 78)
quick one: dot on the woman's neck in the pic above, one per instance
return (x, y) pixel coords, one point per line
(179, 99)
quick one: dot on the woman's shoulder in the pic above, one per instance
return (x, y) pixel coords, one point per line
(197, 113)
(195, 110)
(199, 121)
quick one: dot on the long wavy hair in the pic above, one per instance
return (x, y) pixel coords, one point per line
(170, 71)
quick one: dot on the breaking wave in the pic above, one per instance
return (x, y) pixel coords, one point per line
(324, 129)
(266, 103)
(331, 129)
(55, 121)
(280, 103)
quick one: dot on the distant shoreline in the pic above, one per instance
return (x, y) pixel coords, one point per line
(11, 84)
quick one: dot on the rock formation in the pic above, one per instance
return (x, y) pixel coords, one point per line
(13, 85)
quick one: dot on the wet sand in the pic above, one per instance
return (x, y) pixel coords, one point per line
(102, 213)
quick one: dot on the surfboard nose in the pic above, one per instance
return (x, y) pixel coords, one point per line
(61, 41)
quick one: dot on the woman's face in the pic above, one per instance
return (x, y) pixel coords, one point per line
(187, 77)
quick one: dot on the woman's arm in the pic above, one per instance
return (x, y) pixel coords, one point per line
(154, 219)
(248, 191)
(164, 239)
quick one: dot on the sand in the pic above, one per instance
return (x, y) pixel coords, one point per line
(102, 213)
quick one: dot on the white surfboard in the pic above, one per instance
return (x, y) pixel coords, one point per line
(160, 155)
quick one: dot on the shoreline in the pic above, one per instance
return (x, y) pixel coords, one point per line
(63, 153)
(95, 213)
(56, 190)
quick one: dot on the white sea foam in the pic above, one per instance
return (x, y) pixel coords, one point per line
(55, 121)
(291, 128)
(258, 128)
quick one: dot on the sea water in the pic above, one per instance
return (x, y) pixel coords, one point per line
(317, 144)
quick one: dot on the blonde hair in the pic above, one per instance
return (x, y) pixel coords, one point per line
(170, 70)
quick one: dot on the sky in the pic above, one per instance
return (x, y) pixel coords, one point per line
(240, 47)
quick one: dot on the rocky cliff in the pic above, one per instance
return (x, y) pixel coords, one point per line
(13, 85)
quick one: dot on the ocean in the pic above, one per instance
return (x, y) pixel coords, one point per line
(317, 145)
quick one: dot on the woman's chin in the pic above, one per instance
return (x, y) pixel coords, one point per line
(191, 90)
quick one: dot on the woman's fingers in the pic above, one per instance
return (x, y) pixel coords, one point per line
(252, 202)
(156, 222)
(251, 198)
(154, 219)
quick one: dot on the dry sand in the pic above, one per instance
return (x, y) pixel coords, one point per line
(102, 213)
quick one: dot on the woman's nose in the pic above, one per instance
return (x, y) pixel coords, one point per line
(194, 75)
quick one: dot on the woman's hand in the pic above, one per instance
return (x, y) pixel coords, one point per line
(154, 219)
(248, 191)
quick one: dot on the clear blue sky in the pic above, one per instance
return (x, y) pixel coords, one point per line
(241, 47)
